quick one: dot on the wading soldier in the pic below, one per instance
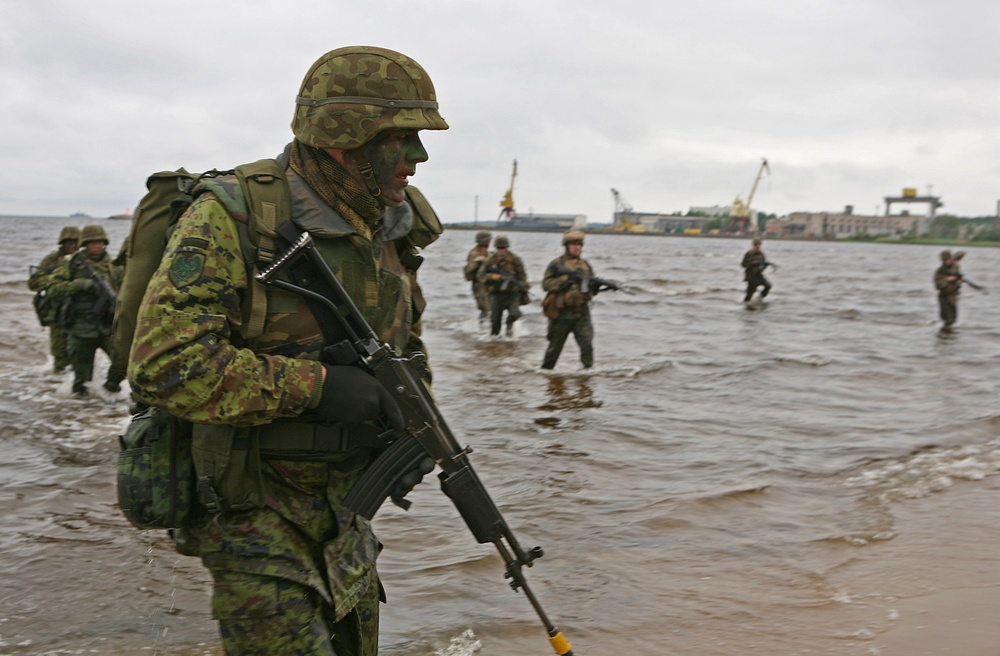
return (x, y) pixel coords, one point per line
(947, 281)
(87, 284)
(502, 277)
(754, 264)
(473, 263)
(39, 280)
(567, 302)
(279, 437)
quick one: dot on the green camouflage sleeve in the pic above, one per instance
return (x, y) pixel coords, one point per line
(183, 359)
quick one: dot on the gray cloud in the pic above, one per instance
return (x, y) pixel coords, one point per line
(672, 105)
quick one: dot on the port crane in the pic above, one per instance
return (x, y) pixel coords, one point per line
(507, 212)
(740, 211)
(623, 217)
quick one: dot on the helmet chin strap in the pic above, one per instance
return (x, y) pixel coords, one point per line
(367, 174)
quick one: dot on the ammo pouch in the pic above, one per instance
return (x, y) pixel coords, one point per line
(155, 470)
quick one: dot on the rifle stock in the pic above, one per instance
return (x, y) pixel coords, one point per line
(426, 434)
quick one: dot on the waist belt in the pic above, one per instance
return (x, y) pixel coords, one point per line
(288, 437)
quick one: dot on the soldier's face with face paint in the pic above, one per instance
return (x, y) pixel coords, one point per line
(394, 155)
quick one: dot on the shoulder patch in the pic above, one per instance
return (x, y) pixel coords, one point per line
(186, 268)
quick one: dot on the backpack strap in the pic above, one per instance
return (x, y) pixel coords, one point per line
(268, 204)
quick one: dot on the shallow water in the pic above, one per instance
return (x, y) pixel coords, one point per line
(708, 488)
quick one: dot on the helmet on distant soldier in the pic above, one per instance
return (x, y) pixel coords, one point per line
(351, 94)
(756, 240)
(501, 242)
(573, 236)
(946, 255)
(69, 233)
(92, 233)
(483, 238)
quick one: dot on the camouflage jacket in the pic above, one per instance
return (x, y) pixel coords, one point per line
(568, 292)
(945, 287)
(500, 268)
(754, 263)
(39, 277)
(90, 313)
(474, 261)
(187, 357)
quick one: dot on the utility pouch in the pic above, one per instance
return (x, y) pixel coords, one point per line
(550, 305)
(156, 478)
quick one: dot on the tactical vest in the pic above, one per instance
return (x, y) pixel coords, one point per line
(228, 458)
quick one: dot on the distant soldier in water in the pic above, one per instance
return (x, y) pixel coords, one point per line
(87, 283)
(39, 280)
(754, 263)
(567, 303)
(948, 280)
(502, 277)
(473, 264)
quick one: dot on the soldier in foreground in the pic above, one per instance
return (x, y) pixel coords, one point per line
(473, 263)
(754, 263)
(502, 276)
(279, 437)
(87, 284)
(39, 281)
(567, 303)
(948, 281)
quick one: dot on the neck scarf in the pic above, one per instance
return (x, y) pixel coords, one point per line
(338, 188)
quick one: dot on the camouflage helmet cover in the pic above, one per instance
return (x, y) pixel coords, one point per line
(573, 236)
(501, 241)
(756, 240)
(92, 233)
(483, 238)
(351, 94)
(945, 255)
(69, 233)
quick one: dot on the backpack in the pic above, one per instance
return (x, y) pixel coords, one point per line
(156, 478)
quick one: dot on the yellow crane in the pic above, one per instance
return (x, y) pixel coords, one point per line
(623, 217)
(507, 202)
(740, 211)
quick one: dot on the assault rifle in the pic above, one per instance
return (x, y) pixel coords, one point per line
(978, 288)
(589, 284)
(426, 440)
(509, 279)
(107, 296)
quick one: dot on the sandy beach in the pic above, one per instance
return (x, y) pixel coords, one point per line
(945, 557)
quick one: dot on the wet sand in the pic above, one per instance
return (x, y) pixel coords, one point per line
(946, 552)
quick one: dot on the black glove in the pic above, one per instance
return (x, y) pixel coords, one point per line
(351, 395)
(410, 480)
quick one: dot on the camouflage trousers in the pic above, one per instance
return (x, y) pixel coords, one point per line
(59, 348)
(81, 351)
(575, 322)
(298, 576)
(509, 302)
(948, 304)
(483, 301)
(753, 282)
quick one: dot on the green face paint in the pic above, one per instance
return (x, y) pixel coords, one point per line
(394, 155)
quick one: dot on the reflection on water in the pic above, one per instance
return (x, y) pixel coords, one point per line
(705, 486)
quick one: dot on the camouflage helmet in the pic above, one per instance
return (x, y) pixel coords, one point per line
(757, 240)
(351, 94)
(92, 233)
(69, 233)
(501, 242)
(945, 255)
(483, 238)
(573, 236)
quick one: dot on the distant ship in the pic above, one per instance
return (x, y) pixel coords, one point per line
(80, 215)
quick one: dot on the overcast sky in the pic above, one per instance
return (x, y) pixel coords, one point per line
(674, 104)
